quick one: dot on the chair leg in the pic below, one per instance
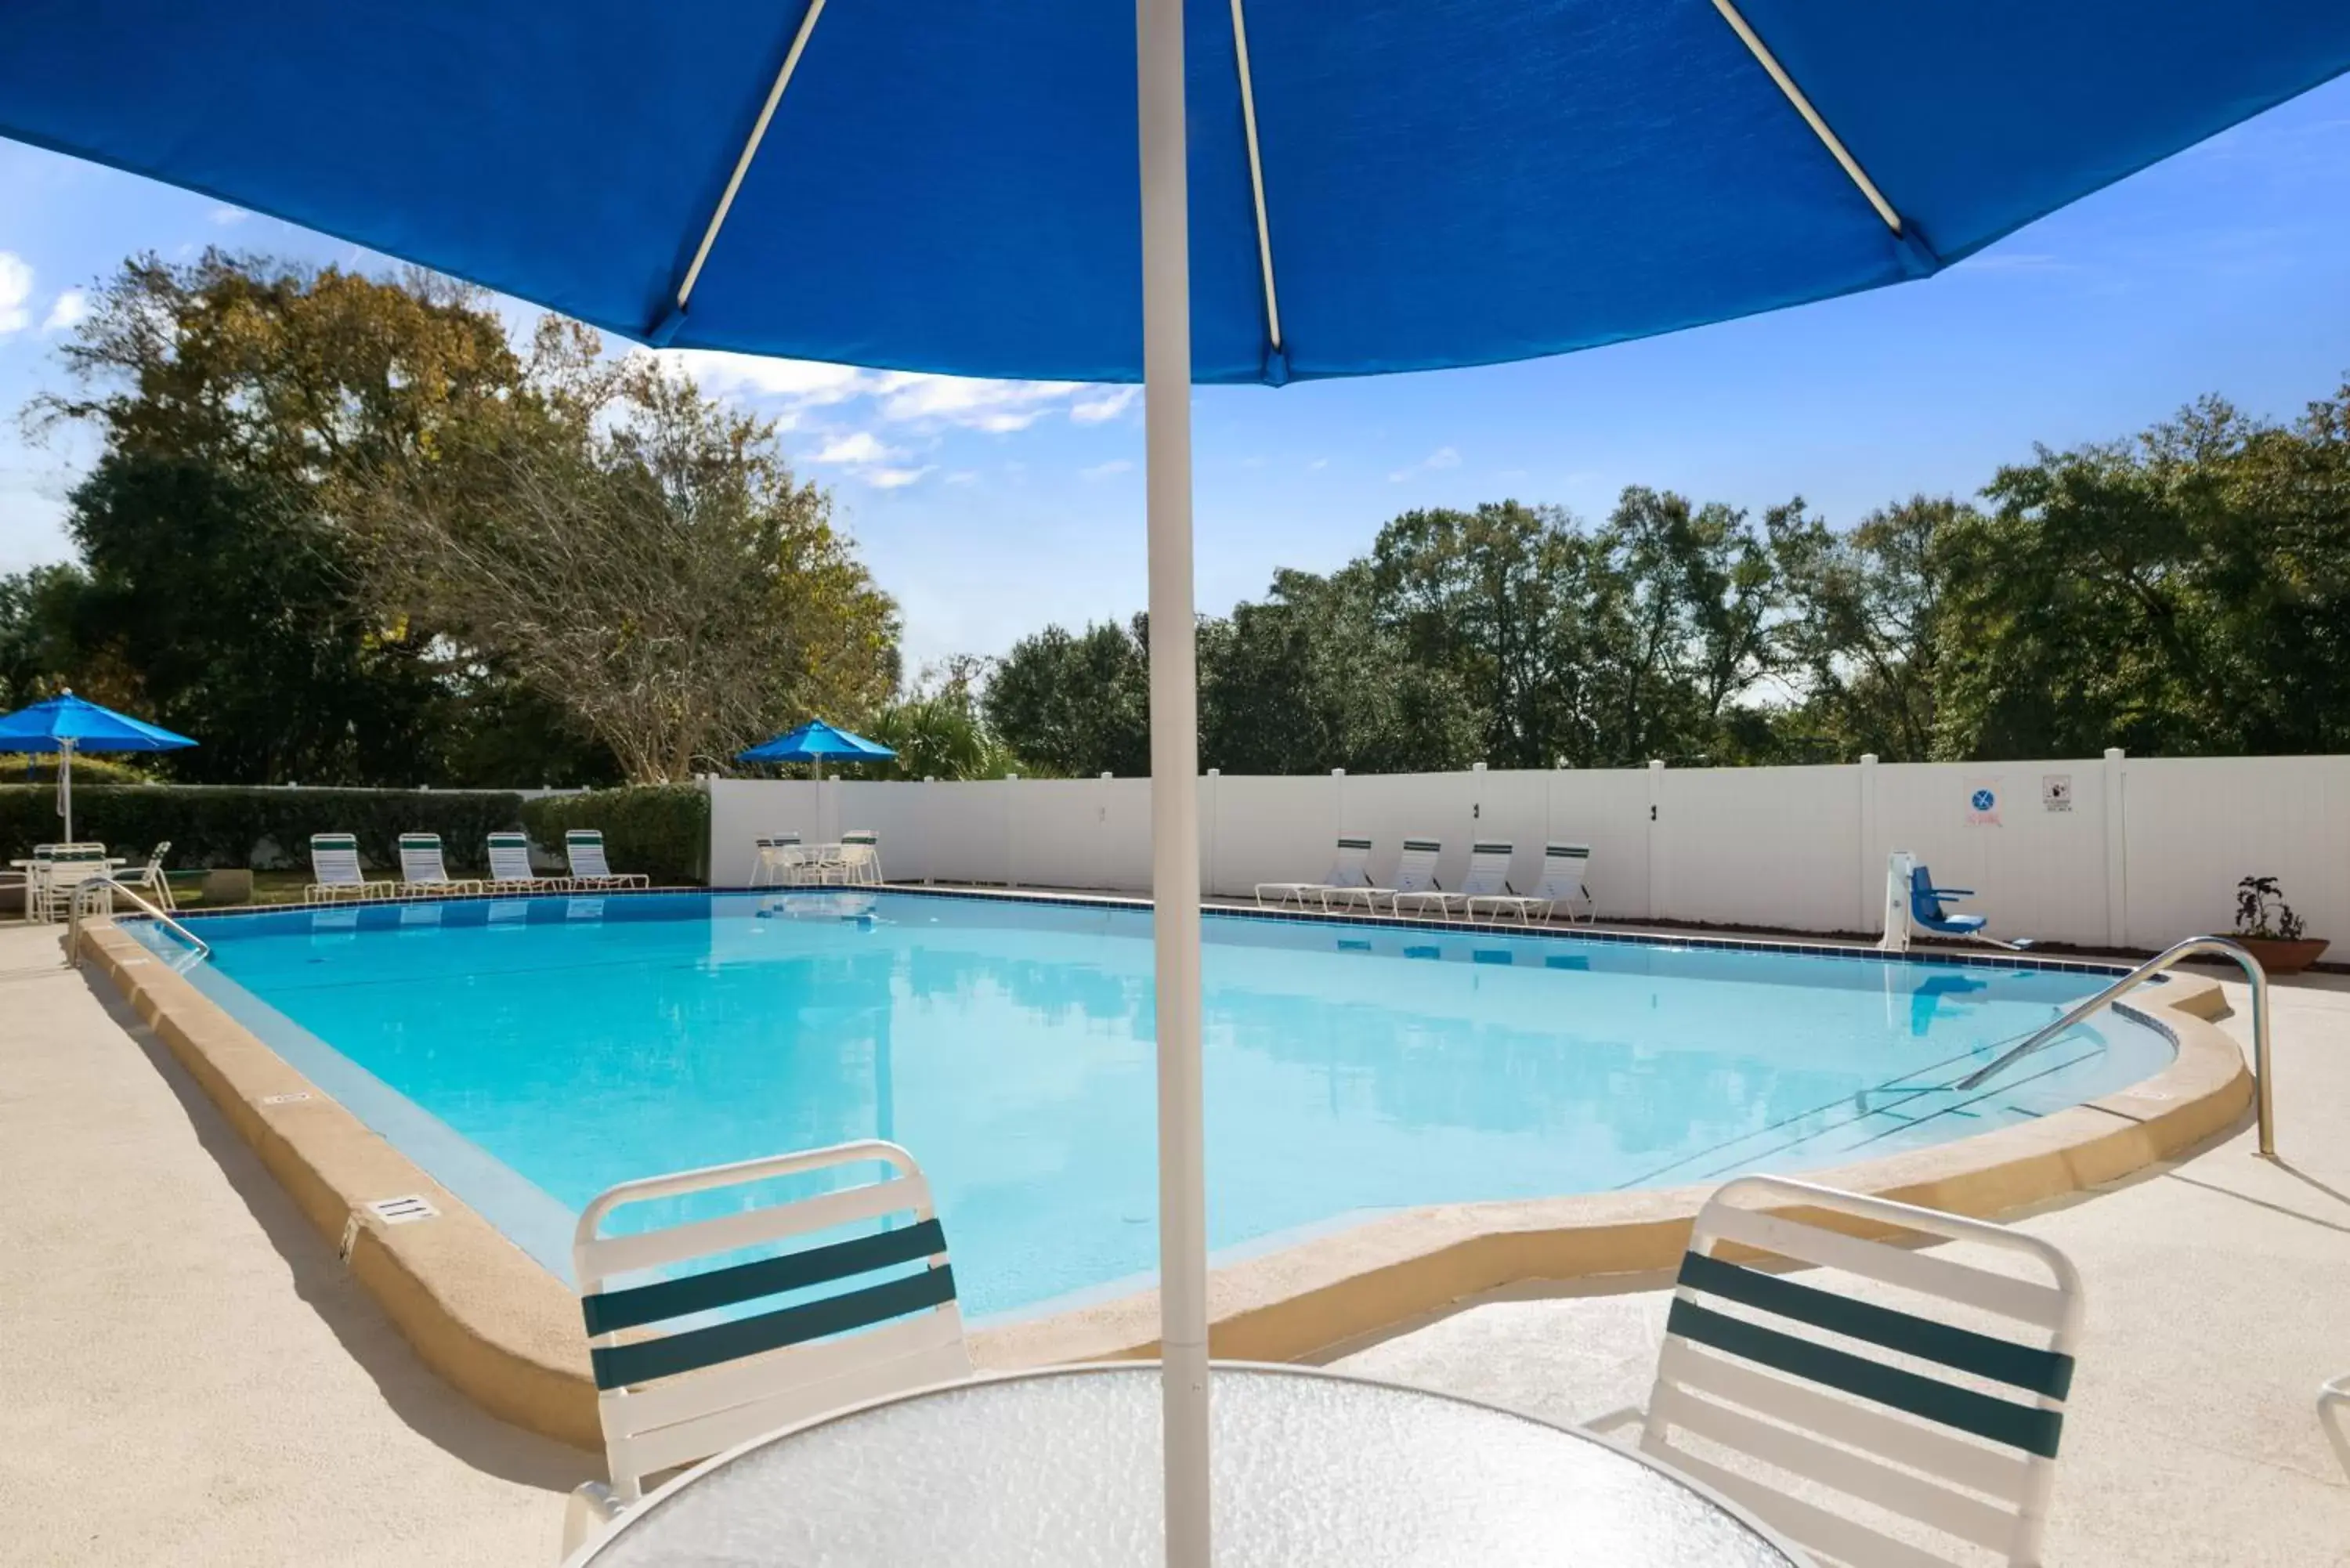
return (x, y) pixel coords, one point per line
(590, 1508)
(2333, 1408)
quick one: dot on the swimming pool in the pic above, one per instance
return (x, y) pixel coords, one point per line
(529, 1053)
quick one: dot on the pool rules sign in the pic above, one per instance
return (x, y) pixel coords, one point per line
(2056, 791)
(1982, 802)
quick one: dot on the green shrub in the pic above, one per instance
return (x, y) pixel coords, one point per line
(662, 830)
(41, 767)
(228, 825)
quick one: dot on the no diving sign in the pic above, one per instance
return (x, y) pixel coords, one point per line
(2056, 791)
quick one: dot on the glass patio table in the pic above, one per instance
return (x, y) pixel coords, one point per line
(1061, 1467)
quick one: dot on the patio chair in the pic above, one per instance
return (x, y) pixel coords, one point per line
(421, 869)
(1350, 868)
(583, 847)
(859, 862)
(1951, 1454)
(779, 859)
(58, 872)
(670, 1393)
(1416, 887)
(1565, 870)
(1487, 881)
(335, 874)
(150, 880)
(511, 870)
(2333, 1400)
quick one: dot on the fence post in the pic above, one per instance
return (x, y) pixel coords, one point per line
(2116, 850)
(1656, 789)
(1871, 880)
(1212, 816)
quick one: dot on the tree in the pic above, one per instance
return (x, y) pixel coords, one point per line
(1864, 626)
(938, 729)
(1078, 703)
(637, 554)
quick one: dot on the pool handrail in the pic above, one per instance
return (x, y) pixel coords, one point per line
(2192, 947)
(79, 906)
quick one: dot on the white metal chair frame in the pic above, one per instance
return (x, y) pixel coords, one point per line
(57, 872)
(422, 870)
(1973, 1465)
(858, 859)
(698, 1390)
(1350, 868)
(779, 859)
(1564, 880)
(511, 870)
(1487, 880)
(583, 851)
(1415, 878)
(335, 872)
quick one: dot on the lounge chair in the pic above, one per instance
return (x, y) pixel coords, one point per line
(1351, 868)
(150, 880)
(583, 847)
(421, 870)
(335, 874)
(1487, 882)
(1415, 878)
(1926, 902)
(1565, 870)
(779, 859)
(662, 1397)
(1757, 1386)
(511, 870)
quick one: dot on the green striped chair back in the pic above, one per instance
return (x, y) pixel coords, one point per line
(335, 860)
(1917, 1439)
(510, 858)
(1416, 866)
(420, 859)
(689, 1364)
(1489, 869)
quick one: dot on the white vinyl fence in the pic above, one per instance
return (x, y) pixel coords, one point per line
(2108, 851)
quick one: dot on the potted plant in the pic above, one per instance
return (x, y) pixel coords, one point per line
(2267, 926)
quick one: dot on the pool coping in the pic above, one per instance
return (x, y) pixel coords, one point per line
(489, 1319)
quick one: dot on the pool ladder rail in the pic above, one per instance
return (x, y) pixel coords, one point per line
(81, 907)
(2192, 947)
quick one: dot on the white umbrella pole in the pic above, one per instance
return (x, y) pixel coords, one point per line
(1174, 776)
(65, 786)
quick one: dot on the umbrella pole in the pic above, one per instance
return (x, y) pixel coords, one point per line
(1174, 776)
(65, 785)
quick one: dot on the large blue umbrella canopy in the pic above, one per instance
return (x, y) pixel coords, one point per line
(817, 741)
(944, 186)
(66, 724)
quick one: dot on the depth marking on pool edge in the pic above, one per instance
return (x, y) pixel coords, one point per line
(405, 1210)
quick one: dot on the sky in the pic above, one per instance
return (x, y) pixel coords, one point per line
(990, 508)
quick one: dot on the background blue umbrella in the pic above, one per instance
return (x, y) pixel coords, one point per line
(818, 743)
(938, 185)
(66, 724)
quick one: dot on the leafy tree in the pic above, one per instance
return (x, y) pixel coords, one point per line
(38, 610)
(1863, 627)
(1076, 703)
(938, 729)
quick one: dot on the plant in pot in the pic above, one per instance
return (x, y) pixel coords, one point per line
(2267, 926)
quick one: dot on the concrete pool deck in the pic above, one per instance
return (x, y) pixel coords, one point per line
(199, 1380)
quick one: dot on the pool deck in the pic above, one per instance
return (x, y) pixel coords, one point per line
(196, 1378)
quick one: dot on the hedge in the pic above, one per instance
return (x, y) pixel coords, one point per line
(242, 824)
(662, 830)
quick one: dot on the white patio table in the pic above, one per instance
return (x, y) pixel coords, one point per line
(1060, 1468)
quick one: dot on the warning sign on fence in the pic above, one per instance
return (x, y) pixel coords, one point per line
(1982, 802)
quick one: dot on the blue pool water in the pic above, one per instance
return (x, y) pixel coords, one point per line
(531, 1052)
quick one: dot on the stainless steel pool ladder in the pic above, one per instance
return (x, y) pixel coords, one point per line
(79, 906)
(2193, 946)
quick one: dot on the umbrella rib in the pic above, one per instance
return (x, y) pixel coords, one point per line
(750, 150)
(1256, 176)
(1828, 139)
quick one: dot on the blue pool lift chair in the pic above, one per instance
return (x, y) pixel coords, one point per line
(689, 1364)
(1925, 906)
(1956, 1440)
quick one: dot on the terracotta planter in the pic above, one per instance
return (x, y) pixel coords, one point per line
(2280, 957)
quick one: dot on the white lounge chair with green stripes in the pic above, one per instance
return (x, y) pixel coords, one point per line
(1349, 868)
(583, 849)
(1930, 1442)
(685, 1367)
(335, 874)
(1566, 867)
(1487, 881)
(1416, 890)
(511, 870)
(423, 872)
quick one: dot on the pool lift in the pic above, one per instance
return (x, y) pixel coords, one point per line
(1912, 900)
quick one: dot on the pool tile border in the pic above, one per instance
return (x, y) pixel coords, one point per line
(507, 1333)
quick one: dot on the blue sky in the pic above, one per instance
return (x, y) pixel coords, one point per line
(990, 508)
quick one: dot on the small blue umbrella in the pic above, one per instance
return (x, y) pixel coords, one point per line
(66, 724)
(818, 743)
(1387, 185)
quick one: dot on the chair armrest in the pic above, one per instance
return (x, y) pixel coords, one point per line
(1949, 892)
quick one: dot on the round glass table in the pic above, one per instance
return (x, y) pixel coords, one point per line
(1061, 1467)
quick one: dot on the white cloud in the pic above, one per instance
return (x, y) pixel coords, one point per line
(1103, 406)
(1318, 465)
(15, 288)
(862, 446)
(67, 311)
(228, 217)
(972, 402)
(1105, 469)
(891, 478)
(964, 476)
(803, 381)
(1443, 457)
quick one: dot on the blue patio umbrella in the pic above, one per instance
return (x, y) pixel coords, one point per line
(818, 743)
(66, 724)
(934, 185)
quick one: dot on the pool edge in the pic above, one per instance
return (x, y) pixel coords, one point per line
(502, 1331)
